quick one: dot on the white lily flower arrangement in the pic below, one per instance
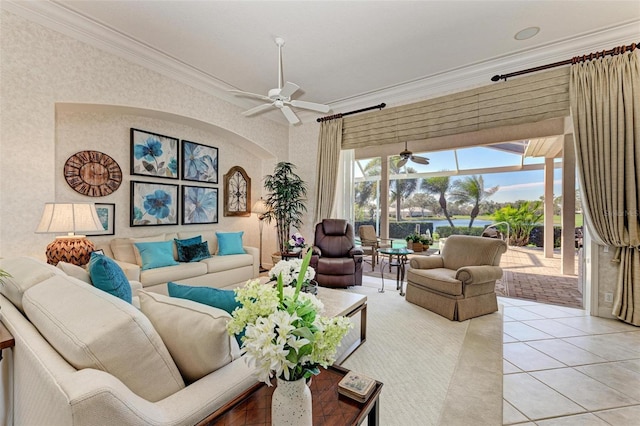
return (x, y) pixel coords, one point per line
(290, 269)
(285, 335)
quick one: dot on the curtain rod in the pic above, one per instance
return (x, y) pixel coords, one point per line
(576, 59)
(342, 114)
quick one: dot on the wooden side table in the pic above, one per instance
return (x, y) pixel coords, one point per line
(291, 255)
(329, 407)
(6, 339)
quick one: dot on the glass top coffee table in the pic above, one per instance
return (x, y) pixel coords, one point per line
(400, 255)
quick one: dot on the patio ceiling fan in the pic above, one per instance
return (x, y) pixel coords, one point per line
(280, 97)
(407, 155)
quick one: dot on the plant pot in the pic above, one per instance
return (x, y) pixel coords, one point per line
(291, 404)
(417, 247)
(276, 257)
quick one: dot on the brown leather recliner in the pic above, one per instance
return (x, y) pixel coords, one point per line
(336, 259)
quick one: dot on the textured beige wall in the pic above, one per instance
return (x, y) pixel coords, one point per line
(40, 68)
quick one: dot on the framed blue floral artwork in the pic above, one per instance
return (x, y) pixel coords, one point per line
(153, 204)
(107, 215)
(199, 205)
(154, 155)
(199, 162)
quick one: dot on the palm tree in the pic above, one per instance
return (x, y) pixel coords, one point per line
(439, 185)
(471, 190)
(366, 191)
(400, 189)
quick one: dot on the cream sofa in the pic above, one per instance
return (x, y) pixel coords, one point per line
(85, 357)
(216, 271)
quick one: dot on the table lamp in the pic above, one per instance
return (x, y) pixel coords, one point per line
(260, 208)
(70, 218)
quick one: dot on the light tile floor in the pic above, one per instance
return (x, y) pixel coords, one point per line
(564, 367)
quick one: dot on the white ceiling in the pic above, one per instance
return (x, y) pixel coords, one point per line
(346, 53)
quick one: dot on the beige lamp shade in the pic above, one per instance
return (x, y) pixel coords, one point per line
(69, 218)
(260, 207)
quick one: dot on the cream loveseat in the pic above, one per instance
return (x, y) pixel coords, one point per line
(85, 357)
(216, 271)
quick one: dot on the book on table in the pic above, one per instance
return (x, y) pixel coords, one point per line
(356, 386)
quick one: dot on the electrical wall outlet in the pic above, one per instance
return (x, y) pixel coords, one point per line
(608, 297)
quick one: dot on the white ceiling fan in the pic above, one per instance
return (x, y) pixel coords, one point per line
(407, 155)
(281, 96)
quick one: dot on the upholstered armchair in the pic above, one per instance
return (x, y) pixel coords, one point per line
(460, 282)
(336, 259)
(371, 243)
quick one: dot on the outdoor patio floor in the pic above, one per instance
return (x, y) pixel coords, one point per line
(529, 275)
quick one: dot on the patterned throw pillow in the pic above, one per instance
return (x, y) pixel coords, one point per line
(192, 249)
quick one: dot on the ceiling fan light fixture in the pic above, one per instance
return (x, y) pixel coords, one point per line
(280, 97)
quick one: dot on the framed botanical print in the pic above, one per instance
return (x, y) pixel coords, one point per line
(154, 155)
(237, 197)
(153, 204)
(199, 205)
(107, 215)
(199, 162)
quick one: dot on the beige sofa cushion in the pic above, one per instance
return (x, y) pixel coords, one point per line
(93, 329)
(25, 273)
(225, 263)
(124, 250)
(75, 271)
(172, 273)
(195, 334)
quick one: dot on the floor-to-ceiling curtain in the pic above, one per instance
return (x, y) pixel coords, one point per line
(329, 145)
(605, 105)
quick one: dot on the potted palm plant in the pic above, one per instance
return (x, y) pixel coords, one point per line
(286, 201)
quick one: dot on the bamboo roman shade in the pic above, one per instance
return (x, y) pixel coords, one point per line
(528, 99)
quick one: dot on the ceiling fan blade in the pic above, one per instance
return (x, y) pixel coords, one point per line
(257, 109)
(250, 95)
(312, 106)
(291, 116)
(288, 89)
(402, 162)
(420, 160)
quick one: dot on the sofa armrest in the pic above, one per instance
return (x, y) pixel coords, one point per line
(427, 262)
(316, 251)
(356, 251)
(478, 274)
(94, 394)
(253, 251)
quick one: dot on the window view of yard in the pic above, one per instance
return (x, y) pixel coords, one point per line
(461, 191)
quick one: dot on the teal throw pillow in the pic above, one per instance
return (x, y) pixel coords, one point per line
(218, 298)
(156, 254)
(196, 252)
(230, 243)
(107, 275)
(181, 245)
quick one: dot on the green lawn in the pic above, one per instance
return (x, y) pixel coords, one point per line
(556, 218)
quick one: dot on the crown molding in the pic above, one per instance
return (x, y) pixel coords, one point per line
(61, 19)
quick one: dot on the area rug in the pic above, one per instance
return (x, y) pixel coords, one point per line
(416, 354)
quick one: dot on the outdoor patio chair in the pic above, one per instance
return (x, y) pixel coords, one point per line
(371, 243)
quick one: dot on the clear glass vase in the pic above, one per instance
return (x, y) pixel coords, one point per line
(291, 404)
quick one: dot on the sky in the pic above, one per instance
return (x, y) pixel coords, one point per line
(513, 186)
